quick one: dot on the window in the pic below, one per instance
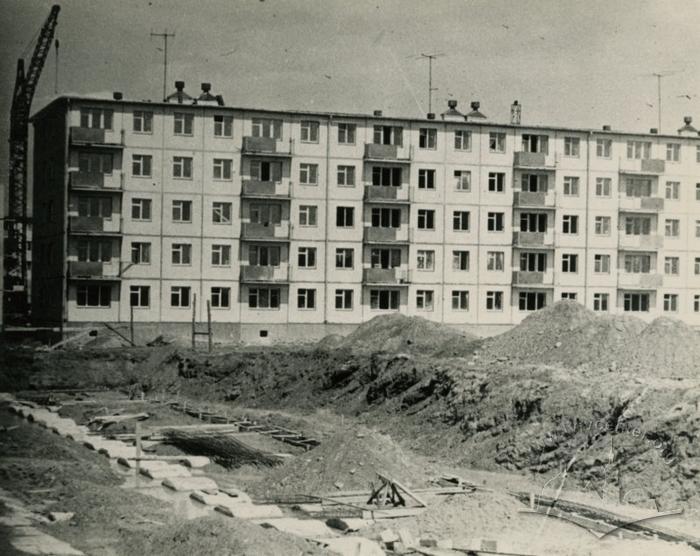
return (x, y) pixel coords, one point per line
(93, 296)
(497, 142)
(94, 250)
(306, 257)
(638, 150)
(673, 190)
(183, 123)
(388, 135)
(343, 300)
(697, 266)
(140, 252)
(569, 262)
(535, 143)
(494, 301)
(495, 221)
(600, 301)
(637, 264)
(220, 255)
(463, 140)
(344, 258)
(424, 300)
(384, 299)
(96, 118)
(385, 258)
(345, 217)
(427, 138)
(140, 296)
(697, 190)
(143, 121)
(263, 170)
(571, 186)
(672, 266)
(572, 146)
(602, 225)
(426, 219)
(95, 206)
(460, 300)
(637, 225)
(264, 255)
(533, 183)
(460, 260)
(495, 261)
(533, 262)
(601, 264)
(425, 260)
(308, 174)
(182, 167)
(696, 303)
(141, 165)
(569, 224)
(426, 179)
(306, 298)
(673, 152)
(95, 163)
(533, 222)
(309, 131)
(221, 212)
(497, 182)
(386, 176)
(697, 228)
(179, 296)
(638, 187)
(223, 169)
(603, 148)
(673, 227)
(308, 215)
(386, 217)
(603, 187)
(223, 126)
(346, 175)
(635, 302)
(220, 297)
(346, 134)
(460, 220)
(140, 209)
(531, 301)
(181, 253)
(264, 127)
(463, 180)
(264, 298)
(182, 211)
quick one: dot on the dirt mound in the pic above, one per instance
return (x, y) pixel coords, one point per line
(349, 460)
(397, 333)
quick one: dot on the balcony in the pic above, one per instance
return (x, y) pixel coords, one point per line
(386, 235)
(265, 232)
(265, 189)
(384, 194)
(641, 204)
(528, 278)
(533, 199)
(641, 242)
(387, 276)
(97, 181)
(267, 146)
(534, 240)
(89, 270)
(386, 153)
(648, 166)
(254, 273)
(531, 161)
(93, 137)
(95, 225)
(640, 280)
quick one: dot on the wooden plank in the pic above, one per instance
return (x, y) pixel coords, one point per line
(404, 488)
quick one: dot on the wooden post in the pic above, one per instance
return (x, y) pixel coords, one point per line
(194, 309)
(131, 325)
(137, 434)
(209, 323)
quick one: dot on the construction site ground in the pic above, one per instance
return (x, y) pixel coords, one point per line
(603, 412)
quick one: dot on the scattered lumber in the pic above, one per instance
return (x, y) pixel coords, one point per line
(105, 420)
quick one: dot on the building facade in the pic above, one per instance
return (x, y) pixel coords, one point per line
(297, 224)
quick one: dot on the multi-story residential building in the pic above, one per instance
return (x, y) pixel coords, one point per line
(296, 224)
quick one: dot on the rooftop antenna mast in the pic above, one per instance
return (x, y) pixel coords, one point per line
(164, 35)
(430, 58)
(659, 76)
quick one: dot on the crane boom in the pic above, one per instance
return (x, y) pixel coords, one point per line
(15, 252)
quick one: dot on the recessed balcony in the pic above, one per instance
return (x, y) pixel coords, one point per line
(535, 240)
(641, 204)
(528, 278)
(92, 270)
(256, 273)
(533, 199)
(641, 242)
(644, 166)
(265, 189)
(640, 280)
(385, 235)
(265, 232)
(386, 194)
(96, 225)
(267, 146)
(536, 161)
(94, 137)
(387, 153)
(387, 276)
(97, 181)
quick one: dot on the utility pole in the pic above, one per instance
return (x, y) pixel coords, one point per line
(430, 58)
(164, 35)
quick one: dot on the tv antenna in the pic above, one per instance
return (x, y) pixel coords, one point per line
(431, 89)
(164, 35)
(659, 76)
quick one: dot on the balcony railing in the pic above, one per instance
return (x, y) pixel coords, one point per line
(257, 188)
(254, 230)
(648, 242)
(641, 204)
(528, 278)
(386, 235)
(93, 224)
(97, 181)
(384, 194)
(92, 270)
(532, 199)
(390, 153)
(646, 166)
(94, 137)
(254, 273)
(266, 146)
(641, 280)
(523, 159)
(394, 276)
(532, 239)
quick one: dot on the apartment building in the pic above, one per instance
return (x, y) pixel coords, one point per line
(297, 224)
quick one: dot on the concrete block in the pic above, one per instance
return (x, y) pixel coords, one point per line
(165, 472)
(118, 450)
(353, 546)
(348, 524)
(311, 508)
(388, 536)
(195, 461)
(428, 542)
(236, 493)
(307, 528)
(183, 484)
(249, 511)
(213, 499)
(407, 538)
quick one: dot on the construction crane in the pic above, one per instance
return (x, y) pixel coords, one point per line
(15, 306)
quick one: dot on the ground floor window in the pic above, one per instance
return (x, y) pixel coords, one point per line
(600, 301)
(636, 302)
(424, 300)
(384, 299)
(140, 296)
(569, 295)
(343, 299)
(494, 301)
(306, 298)
(179, 296)
(531, 301)
(264, 298)
(671, 302)
(220, 298)
(93, 295)
(460, 300)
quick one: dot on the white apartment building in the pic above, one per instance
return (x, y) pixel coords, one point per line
(297, 224)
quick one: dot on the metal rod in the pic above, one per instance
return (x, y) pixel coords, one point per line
(164, 35)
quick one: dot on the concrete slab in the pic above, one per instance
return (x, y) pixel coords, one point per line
(236, 493)
(195, 461)
(118, 450)
(249, 511)
(33, 541)
(353, 546)
(183, 484)
(165, 472)
(221, 498)
(307, 528)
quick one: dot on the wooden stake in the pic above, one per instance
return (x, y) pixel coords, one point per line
(137, 433)
(209, 324)
(194, 310)
(131, 325)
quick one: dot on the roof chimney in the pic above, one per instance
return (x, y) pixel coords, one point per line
(654, 130)
(116, 95)
(516, 111)
(206, 87)
(179, 86)
(687, 129)
(452, 104)
(179, 96)
(452, 113)
(378, 113)
(606, 128)
(431, 115)
(475, 114)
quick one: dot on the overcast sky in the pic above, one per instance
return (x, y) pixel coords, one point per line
(578, 63)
